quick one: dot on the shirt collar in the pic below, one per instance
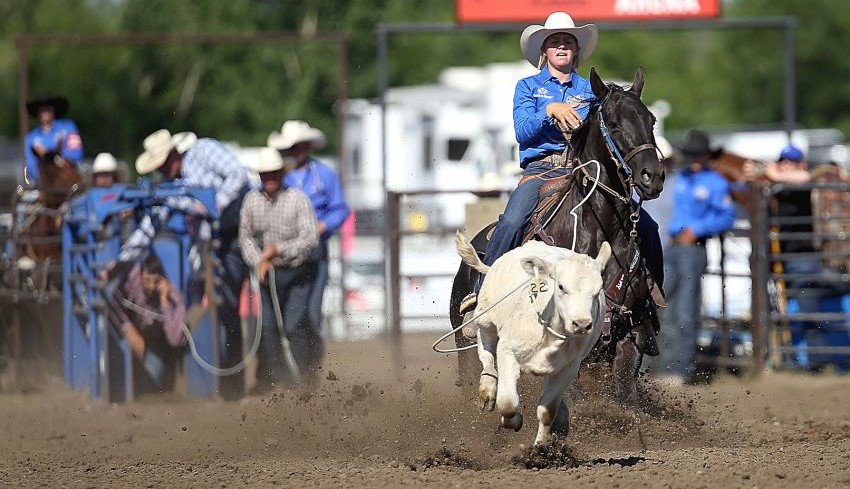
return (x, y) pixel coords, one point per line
(545, 76)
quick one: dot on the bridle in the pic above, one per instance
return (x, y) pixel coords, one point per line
(625, 174)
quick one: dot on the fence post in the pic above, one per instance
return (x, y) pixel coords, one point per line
(392, 261)
(759, 266)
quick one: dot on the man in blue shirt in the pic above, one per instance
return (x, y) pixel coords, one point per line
(321, 184)
(52, 134)
(702, 208)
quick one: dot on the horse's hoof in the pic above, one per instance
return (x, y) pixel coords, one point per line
(561, 423)
(512, 422)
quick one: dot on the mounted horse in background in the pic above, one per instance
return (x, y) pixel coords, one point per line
(612, 153)
(39, 234)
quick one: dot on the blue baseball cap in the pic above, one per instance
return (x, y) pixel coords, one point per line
(791, 153)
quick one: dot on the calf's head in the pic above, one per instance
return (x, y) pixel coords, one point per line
(576, 282)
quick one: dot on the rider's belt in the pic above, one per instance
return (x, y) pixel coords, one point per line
(554, 159)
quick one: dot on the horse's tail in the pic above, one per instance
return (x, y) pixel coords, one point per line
(469, 255)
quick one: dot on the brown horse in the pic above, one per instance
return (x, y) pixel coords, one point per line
(731, 166)
(830, 206)
(40, 233)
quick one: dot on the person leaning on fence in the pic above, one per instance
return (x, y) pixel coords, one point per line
(792, 168)
(204, 163)
(547, 107)
(321, 184)
(150, 313)
(702, 208)
(52, 134)
(277, 235)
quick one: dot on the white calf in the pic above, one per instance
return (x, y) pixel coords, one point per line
(546, 327)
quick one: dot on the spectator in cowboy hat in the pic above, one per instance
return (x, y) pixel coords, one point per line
(322, 186)
(278, 232)
(52, 134)
(206, 163)
(104, 170)
(702, 208)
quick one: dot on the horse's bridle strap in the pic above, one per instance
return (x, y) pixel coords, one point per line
(636, 150)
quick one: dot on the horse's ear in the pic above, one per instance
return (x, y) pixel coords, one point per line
(637, 85)
(598, 86)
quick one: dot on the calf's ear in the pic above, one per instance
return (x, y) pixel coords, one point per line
(534, 265)
(604, 254)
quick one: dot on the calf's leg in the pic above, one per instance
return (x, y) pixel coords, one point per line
(507, 397)
(551, 402)
(487, 343)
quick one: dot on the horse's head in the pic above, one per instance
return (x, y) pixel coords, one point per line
(58, 177)
(626, 124)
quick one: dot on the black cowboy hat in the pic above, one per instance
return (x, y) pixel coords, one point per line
(59, 104)
(697, 143)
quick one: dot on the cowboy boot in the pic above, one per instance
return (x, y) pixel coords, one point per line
(468, 303)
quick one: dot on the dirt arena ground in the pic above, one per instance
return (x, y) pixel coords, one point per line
(362, 428)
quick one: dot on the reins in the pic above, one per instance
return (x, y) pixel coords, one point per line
(616, 302)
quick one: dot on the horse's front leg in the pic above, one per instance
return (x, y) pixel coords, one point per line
(625, 367)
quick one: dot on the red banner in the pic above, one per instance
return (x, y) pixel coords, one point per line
(536, 11)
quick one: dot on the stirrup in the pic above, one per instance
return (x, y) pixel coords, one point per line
(468, 303)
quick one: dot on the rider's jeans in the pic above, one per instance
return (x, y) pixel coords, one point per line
(512, 223)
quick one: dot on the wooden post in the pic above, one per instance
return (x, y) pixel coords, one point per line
(760, 274)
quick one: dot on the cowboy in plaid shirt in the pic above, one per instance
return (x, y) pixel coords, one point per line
(278, 231)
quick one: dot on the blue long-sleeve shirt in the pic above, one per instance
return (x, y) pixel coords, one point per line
(64, 130)
(536, 132)
(701, 202)
(321, 184)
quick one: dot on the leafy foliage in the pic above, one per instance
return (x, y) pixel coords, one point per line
(241, 92)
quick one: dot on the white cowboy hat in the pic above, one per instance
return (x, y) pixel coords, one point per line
(104, 163)
(158, 145)
(533, 36)
(294, 132)
(268, 160)
(663, 148)
(183, 141)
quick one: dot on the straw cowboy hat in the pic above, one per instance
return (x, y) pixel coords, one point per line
(59, 105)
(157, 147)
(104, 163)
(269, 160)
(294, 132)
(533, 36)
